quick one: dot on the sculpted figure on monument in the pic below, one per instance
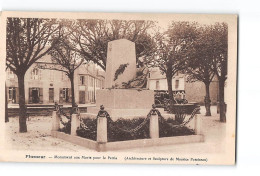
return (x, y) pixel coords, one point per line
(140, 81)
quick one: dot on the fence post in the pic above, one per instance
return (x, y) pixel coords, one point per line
(154, 123)
(197, 124)
(55, 118)
(102, 125)
(75, 122)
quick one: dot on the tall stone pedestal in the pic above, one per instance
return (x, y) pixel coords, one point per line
(120, 52)
(125, 103)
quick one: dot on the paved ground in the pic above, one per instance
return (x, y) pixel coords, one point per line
(38, 137)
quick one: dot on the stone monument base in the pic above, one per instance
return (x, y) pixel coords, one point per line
(124, 102)
(117, 113)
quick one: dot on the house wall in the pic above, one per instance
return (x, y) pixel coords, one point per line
(163, 84)
(53, 79)
(196, 91)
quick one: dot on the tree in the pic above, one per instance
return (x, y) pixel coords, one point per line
(6, 106)
(92, 36)
(66, 60)
(220, 33)
(27, 40)
(170, 54)
(200, 65)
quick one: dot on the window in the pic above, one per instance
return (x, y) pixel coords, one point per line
(12, 92)
(176, 84)
(51, 95)
(65, 94)
(157, 85)
(82, 80)
(35, 74)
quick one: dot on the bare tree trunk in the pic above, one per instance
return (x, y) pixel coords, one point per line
(169, 83)
(72, 89)
(222, 105)
(207, 100)
(6, 106)
(22, 106)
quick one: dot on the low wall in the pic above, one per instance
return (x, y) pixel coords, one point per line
(40, 111)
(102, 144)
(140, 143)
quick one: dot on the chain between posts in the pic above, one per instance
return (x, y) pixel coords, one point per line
(82, 124)
(184, 122)
(75, 110)
(60, 112)
(104, 114)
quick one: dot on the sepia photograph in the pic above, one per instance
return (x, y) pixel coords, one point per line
(127, 88)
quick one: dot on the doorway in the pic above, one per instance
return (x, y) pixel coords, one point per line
(35, 96)
(82, 97)
(51, 95)
(13, 95)
(65, 95)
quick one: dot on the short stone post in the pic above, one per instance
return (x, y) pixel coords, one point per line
(55, 118)
(197, 125)
(102, 125)
(75, 122)
(154, 123)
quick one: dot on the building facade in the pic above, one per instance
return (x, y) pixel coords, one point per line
(193, 92)
(158, 82)
(43, 86)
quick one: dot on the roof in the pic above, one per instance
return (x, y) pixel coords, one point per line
(84, 69)
(155, 73)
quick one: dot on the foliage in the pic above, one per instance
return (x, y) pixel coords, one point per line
(91, 37)
(64, 59)
(115, 134)
(170, 53)
(91, 132)
(180, 116)
(200, 65)
(220, 33)
(165, 130)
(66, 128)
(180, 109)
(27, 40)
(120, 70)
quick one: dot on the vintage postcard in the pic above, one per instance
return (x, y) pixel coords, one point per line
(126, 88)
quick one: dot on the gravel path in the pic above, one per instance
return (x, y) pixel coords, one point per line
(38, 136)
